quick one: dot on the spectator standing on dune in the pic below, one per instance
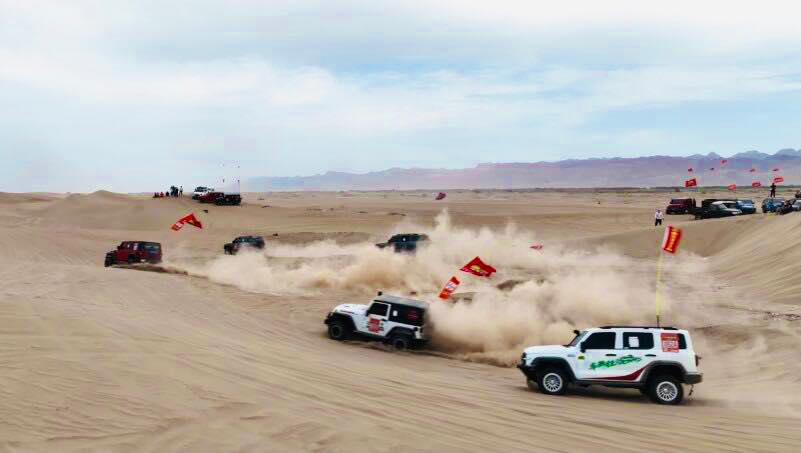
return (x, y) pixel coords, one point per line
(181, 191)
(773, 190)
(658, 216)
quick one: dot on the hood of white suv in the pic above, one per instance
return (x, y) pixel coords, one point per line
(351, 309)
(550, 350)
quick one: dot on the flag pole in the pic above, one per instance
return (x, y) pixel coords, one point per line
(658, 299)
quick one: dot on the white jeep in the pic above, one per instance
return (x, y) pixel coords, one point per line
(395, 320)
(655, 360)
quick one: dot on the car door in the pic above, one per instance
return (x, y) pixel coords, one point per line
(375, 322)
(599, 354)
(638, 349)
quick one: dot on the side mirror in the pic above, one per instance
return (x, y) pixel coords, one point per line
(583, 348)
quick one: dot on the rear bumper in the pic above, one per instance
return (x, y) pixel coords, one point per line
(693, 378)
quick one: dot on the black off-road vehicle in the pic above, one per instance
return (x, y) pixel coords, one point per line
(404, 242)
(248, 242)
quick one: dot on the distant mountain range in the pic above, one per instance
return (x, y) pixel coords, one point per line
(650, 171)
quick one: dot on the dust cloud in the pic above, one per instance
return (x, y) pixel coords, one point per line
(556, 290)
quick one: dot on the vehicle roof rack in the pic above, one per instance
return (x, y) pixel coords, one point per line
(640, 327)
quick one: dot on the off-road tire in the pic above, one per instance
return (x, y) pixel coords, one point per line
(132, 259)
(665, 389)
(109, 261)
(401, 341)
(552, 381)
(338, 330)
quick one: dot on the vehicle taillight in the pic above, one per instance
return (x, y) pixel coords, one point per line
(697, 359)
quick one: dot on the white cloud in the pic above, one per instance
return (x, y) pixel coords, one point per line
(353, 79)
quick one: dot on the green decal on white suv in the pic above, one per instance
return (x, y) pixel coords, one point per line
(613, 363)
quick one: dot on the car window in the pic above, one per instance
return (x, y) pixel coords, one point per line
(600, 340)
(378, 309)
(682, 341)
(638, 340)
(406, 315)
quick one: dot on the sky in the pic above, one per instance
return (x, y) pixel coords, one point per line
(136, 96)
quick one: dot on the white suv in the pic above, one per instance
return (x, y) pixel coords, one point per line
(655, 360)
(396, 320)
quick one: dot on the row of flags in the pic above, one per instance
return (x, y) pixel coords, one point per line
(693, 182)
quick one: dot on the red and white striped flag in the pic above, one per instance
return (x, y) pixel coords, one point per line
(449, 288)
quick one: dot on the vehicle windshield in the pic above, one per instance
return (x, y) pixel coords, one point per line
(577, 338)
(745, 201)
(200, 189)
(730, 205)
(778, 200)
(152, 247)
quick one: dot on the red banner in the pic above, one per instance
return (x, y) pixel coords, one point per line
(478, 267)
(537, 246)
(756, 184)
(670, 242)
(690, 169)
(690, 183)
(778, 179)
(190, 219)
(723, 161)
(449, 288)
(732, 187)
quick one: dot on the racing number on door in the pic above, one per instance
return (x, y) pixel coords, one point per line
(374, 325)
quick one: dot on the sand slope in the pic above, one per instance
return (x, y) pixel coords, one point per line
(121, 360)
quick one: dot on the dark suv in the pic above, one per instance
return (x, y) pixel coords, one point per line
(404, 242)
(249, 242)
(130, 252)
(680, 206)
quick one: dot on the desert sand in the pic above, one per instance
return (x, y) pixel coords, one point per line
(229, 353)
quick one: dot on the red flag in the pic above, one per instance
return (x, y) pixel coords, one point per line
(537, 246)
(190, 219)
(778, 179)
(449, 288)
(690, 169)
(732, 187)
(690, 183)
(478, 267)
(753, 170)
(670, 242)
(776, 169)
(440, 196)
(756, 184)
(723, 161)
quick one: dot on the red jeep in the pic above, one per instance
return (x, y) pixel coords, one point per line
(210, 197)
(130, 252)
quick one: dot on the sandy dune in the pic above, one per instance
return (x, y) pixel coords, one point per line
(223, 356)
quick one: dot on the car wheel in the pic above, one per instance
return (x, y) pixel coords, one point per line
(552, 381)
(132, 259)
(400, 341)
(666, 390)
(109, 261)
(338, 330)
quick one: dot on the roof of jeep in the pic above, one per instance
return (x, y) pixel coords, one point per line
(602, 328)
(401, 301)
